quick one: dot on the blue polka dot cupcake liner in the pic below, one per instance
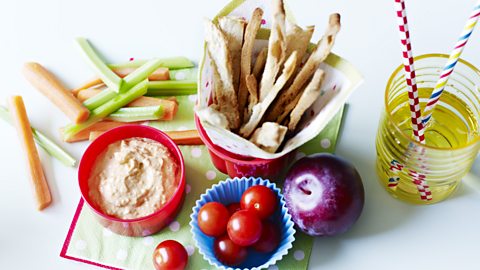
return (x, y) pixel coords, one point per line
(230, 191)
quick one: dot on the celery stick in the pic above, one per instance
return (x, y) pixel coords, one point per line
(109, 107)
(130, 80)
(171, 63)
(141, 73)
(43, 141)
(172, 88)
(53, 149)
(99, 99)
(103, 71)
(5, 115)
(135, 114)
(183, 74)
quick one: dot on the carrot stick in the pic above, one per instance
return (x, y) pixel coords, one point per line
(87, 93)
(95, 134)
(139, 102)
(161, 74)
(99, 126)
(89, 84)
(170, 107)
(184, 137)
(151, 101)
(24, 130)
(49, 86)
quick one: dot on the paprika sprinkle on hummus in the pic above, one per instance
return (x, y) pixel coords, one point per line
(133, 178)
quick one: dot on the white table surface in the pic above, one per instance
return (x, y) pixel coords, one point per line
(390, 234)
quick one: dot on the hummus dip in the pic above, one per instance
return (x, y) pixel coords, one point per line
(133, 178)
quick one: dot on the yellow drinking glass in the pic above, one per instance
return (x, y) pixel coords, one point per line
(429, 173)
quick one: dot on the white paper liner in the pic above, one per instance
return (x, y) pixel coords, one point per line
(340, 81)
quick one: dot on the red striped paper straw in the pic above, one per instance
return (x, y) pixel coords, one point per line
(415, 112)
(414, 102)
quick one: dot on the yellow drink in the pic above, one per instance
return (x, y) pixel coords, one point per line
(451, 136)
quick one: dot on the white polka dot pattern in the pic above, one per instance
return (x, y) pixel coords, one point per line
(174, 226)
(299, 255)
(325, 143)
(210, 175)
(196, 152)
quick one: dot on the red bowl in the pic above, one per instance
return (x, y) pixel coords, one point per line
(139, 226)
(242, 166)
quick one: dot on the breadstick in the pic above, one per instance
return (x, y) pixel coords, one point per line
(24, 130)
(49, 86)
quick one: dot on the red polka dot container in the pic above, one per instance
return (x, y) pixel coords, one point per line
(241, 166)
(142, 226)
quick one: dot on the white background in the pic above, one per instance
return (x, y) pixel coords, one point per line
(390, 234)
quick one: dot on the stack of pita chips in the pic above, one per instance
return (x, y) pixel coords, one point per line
(263, 100)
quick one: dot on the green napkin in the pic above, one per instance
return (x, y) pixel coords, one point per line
(89, 242)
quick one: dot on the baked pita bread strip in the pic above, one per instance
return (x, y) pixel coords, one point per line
(282, 118)
(246, 57)
(213, 117)
(269, 137)
(252, 86)
(225, 95)
(257, 75)
(221, 105)
(233, 29)
(324, 46)
(217, 86)
(259, 110)
(307, 98)
(298, 40)
(260, 63)
(277, 45)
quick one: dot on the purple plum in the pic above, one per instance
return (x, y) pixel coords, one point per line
(324, 194)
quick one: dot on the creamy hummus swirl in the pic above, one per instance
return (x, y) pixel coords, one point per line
(133, 178)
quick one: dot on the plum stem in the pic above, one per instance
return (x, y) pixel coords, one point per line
(303, 189)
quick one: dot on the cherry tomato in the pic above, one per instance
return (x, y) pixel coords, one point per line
(170, 255)
(233, 207)
(244, 228)
(260, 199)
(269, 239)
(213, 219)
(228, 252)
